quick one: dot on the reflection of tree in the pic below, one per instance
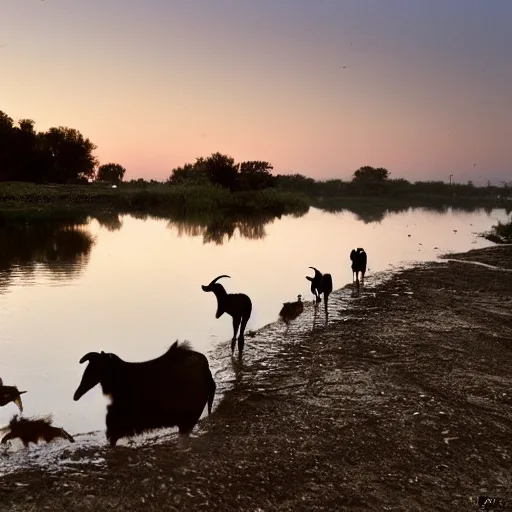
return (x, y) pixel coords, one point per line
(219, 229)
(371, 215)
(363, 211)
(61, 247)
(375, 211)
(109, 220)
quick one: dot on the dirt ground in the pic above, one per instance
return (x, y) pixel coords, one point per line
(403, 402)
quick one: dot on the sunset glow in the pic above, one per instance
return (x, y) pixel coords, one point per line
(314, 87)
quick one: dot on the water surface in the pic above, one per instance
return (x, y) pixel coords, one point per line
(132, 286)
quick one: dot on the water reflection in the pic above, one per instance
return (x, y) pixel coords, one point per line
(109, 220)
(60, 245)
(217, 228)
(220, 228)
(369, 212)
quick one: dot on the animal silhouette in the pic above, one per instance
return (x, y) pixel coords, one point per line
(10, 394)
(321, 284)
(237, 305)
(359, 260)
(171, 390)
(32, 430)
(292, 310)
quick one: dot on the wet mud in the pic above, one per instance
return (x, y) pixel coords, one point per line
(400, 401)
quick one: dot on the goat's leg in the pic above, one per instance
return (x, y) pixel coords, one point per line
(236, 325)
(241, 340)
(7, 437)
(115, 425)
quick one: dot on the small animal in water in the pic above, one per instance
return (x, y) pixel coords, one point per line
(31, 430)
(10, 394)
(292, 310)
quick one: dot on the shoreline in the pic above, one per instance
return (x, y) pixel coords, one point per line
(125, 197)
(401, 403)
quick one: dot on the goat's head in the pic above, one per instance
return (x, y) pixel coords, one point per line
(97, 368)
(315, 281)
(213, 286)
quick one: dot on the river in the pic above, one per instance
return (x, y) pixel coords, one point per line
(132, 285)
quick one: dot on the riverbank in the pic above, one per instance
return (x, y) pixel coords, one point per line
(402, 403)
(155, 198)
(186, 200)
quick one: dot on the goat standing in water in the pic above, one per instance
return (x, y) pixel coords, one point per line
(359, 259)
(237, 305)
(170, 390)
(321, 283)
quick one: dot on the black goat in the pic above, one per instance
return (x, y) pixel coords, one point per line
(10, 394)
(171, 390)
(321, 283)
(31, 430)
(237, 305)
(359, 259)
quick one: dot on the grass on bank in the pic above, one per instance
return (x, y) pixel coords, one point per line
(184, 200)
(194, 200)
(501, 233)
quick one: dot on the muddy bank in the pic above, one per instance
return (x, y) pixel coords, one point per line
(403, 402)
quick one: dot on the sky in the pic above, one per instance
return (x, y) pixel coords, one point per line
(317, 87)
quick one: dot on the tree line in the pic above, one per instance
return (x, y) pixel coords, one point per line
(64, 155)
(58, 155)
(369, 181)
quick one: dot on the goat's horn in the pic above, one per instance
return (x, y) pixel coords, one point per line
(217, 278)
(315, 269)
(19, 403)
(88, 357)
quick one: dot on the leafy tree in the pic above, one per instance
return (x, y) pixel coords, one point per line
(31, 161)
(59, 155)
(6, 137)
(331, 188)
(255, 175)
(189, 173)
(71, 154)
(113, 173)
(370, 180)
(371, 174)
(295, 182)
(222, 170)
